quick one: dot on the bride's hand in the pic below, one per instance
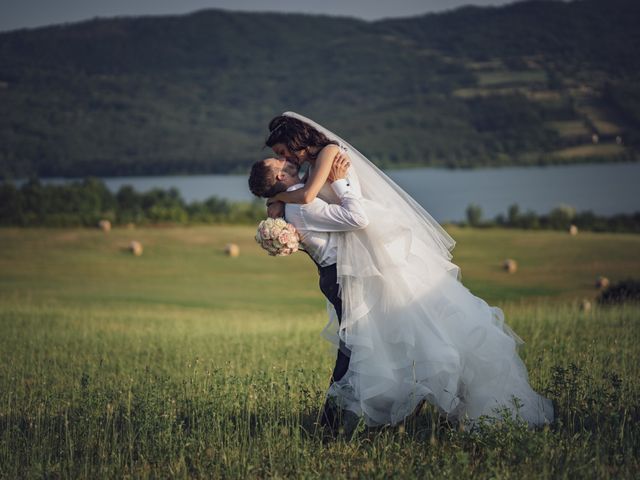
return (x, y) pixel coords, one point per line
(340, 166)
(275, 208)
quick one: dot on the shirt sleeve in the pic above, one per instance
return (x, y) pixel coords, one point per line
(321, 216)
(341, 187)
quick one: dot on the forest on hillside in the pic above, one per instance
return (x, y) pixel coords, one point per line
(535, 82)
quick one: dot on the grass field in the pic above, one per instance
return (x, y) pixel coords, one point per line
(186, 363)
(600, 150)
(604, 120)
(544, 96)
(502, 77)
(570, 128)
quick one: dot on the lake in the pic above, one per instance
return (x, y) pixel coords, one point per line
(603, 188)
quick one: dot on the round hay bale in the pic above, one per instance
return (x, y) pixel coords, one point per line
(602, 283)
(131, 226)
(585, 305)
(135, 247)
(573, 230)
(232, 250)
(104, 225)
(510, 265)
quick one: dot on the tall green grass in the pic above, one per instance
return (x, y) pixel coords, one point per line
(185, 363)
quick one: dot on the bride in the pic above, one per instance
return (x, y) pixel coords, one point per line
(414, 331)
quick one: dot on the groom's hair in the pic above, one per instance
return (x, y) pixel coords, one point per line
(263, 181)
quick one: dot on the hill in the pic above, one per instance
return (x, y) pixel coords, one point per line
(530, 83)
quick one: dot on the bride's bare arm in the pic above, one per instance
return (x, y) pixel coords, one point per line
(316, 180)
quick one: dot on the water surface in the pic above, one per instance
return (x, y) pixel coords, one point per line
(605, 189)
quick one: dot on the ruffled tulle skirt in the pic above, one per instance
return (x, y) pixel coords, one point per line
(415, 332)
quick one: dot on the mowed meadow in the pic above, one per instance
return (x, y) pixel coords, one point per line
(184, 362)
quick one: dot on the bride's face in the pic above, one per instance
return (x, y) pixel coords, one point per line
(282, 165)
(296, 157)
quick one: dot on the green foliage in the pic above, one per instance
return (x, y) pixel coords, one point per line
(572, 33)
(474, 215)
(562, 217)
(85, 203)
(625, 291)
(624, 96)
(193, 94)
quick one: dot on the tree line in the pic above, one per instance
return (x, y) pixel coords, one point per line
(86, 202)
(559, 218)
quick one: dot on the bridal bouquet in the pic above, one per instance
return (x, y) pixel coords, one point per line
(278, 237)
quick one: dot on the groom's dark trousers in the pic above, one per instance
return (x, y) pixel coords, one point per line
(330, 288)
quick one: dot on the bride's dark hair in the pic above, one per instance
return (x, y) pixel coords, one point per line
(295, 134)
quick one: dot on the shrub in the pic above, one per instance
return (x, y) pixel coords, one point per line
(621, 292)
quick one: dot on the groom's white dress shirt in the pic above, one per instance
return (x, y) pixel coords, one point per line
(318, 222)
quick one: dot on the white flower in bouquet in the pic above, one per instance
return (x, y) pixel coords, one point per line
(278, 237)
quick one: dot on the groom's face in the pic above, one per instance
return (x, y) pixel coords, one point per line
(285, 171)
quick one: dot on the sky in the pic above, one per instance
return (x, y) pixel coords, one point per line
(16, 14)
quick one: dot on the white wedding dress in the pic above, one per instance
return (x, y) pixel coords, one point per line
(413, 329)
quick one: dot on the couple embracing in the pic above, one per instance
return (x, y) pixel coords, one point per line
(406, 329)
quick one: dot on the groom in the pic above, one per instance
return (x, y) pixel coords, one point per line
(318, 223)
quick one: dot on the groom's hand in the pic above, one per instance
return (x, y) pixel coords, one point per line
(275, 208)
(340, 167)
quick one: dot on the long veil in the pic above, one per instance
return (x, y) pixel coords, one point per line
(376, 185)
(414, 332)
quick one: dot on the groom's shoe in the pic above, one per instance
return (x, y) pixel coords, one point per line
(416, 411)
(350, 423)
(330, 416)
(339, 421)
